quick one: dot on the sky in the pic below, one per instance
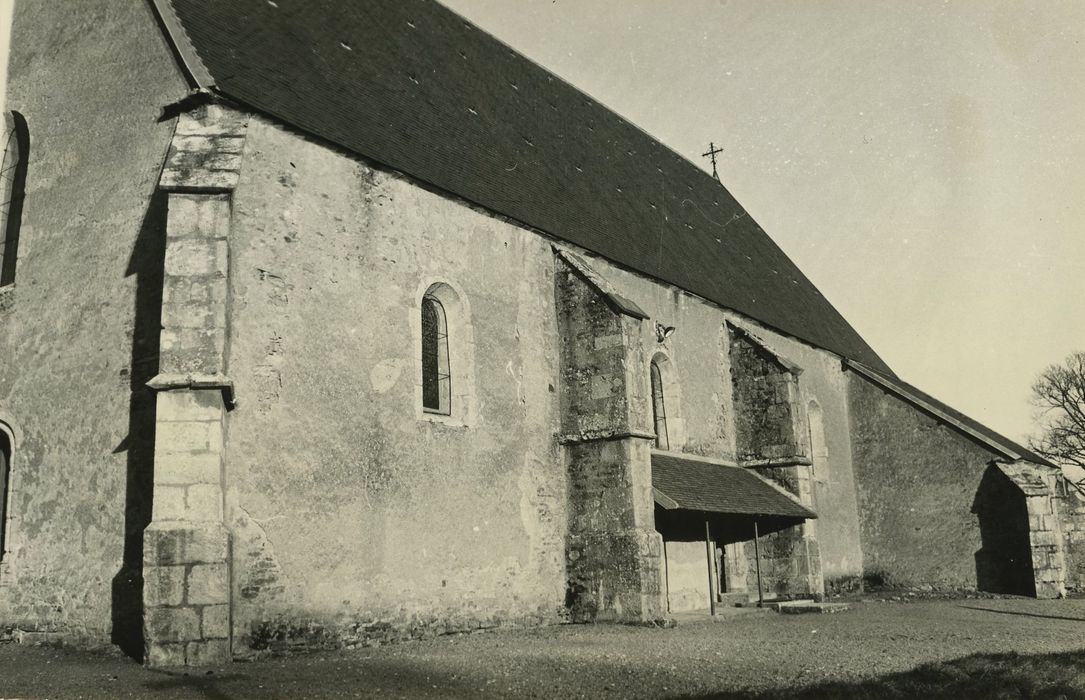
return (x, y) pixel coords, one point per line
(922, 162)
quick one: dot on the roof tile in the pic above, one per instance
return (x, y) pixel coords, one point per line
(427, 93)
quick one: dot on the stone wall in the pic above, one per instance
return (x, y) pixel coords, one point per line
(769, 419)
(1004, 559)
(354, 514)
(1036, 485)
(613, 553)
(79, 329)
(1070, 508)
(791, 557)
(917, 482)
(686, 573)
(699, 363)
(186, 563)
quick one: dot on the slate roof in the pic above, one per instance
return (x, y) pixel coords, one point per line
(1000, 443)
(411, 85)
(697, 484)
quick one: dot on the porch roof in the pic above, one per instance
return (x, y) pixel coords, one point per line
(685, 483)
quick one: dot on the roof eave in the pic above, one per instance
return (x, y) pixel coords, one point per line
(876, 378)
(188, 60)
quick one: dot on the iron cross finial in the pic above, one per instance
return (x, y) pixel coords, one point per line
(711, 153)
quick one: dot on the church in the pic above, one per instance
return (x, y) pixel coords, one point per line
(330, 323)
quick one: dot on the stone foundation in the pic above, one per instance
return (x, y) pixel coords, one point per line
(186, 594)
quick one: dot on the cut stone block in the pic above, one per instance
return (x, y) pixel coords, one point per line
(167, 544)
(164, 625)
(204, 502)
(163, 585)
(159, 655)
(215, 621)
(208, 652)
(207, 585)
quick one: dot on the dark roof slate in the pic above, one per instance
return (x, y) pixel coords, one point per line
(696, 484)
(411, 85)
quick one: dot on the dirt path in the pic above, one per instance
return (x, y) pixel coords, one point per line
(871, 650)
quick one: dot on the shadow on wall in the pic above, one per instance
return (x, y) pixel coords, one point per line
(146, 264)
(1004, 560)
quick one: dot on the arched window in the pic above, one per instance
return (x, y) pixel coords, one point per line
(659, 408)
(6, 449)
(12, 185)
(436, 372)
(445, 350)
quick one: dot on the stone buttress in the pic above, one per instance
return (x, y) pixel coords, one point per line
(613, 552)
(1045, 528)
(772, 437)
(186, 592)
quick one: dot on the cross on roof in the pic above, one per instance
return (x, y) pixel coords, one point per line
(711, 153)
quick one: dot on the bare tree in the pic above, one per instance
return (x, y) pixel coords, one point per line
(1059, 394)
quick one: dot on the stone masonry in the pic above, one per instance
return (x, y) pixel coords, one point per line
(1070, 506)
(613, 553)
(1045, 532)
(772, 436)
(187, 547)
(770, 421)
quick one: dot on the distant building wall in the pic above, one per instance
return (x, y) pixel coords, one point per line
(91, 79)
(918, 482)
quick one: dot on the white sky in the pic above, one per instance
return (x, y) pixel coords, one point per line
(922, 162)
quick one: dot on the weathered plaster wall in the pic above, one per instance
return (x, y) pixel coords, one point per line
(699, 356)
(79, 333)
(349, 506)
(917, 483)
(687, 575)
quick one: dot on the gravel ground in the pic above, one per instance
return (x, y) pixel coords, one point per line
(740, 653)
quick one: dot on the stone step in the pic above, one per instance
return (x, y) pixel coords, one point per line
(778, 603)
(798, 607)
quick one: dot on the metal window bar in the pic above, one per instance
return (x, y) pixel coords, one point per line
(436, 374)
(5, 485)
(12, 179)
(659, 409)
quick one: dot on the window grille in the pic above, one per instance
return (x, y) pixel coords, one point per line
(436, 374)
(5, 485)
(12, 183)
(659, 410)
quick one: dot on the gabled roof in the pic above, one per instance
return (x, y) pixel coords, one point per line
(682, 482)
(613, 297)
(411, 85)
(781, 361)
(977, 431)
